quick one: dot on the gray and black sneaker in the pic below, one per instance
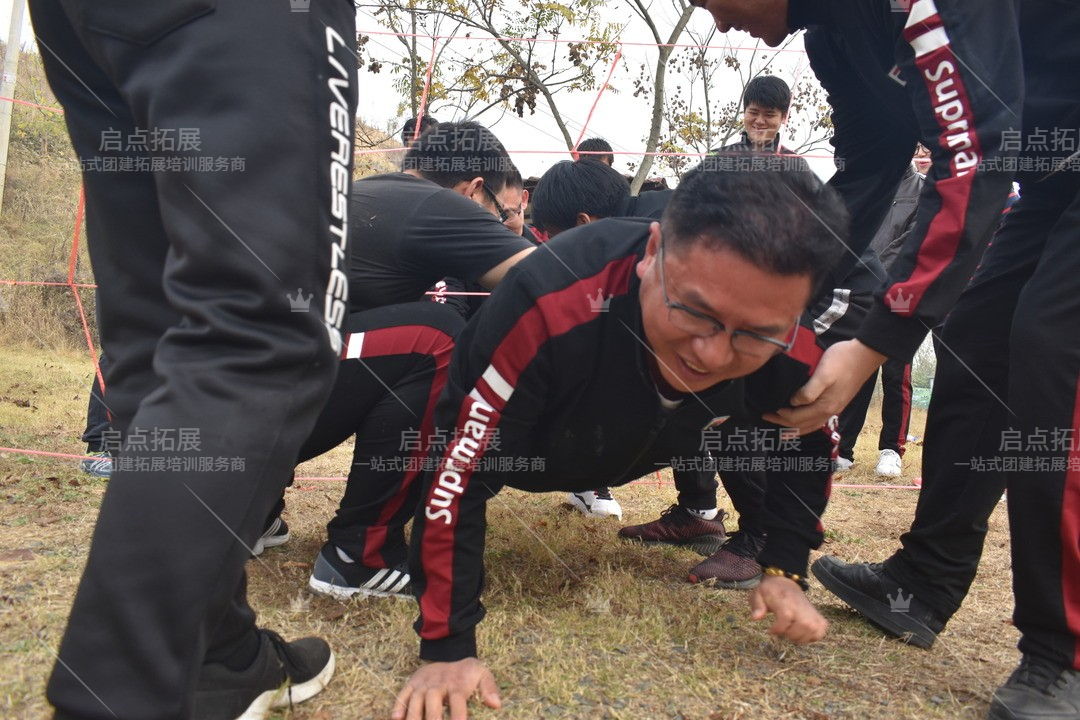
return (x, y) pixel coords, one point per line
(99, 464)
(283, 674)
(339, 579)
(1038, 690)
(275, 534)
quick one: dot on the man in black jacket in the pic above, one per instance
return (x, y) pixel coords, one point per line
(572, 194)
(959, 77)
(610, 387)
(766, 102)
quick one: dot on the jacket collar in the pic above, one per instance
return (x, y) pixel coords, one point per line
(773, 146)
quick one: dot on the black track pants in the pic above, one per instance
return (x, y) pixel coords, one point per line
(392, 372)
(1005, 411)
(212, 136)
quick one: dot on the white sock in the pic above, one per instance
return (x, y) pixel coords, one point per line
(709, 514)
(343, 555)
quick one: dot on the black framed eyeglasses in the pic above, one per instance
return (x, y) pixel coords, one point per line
(504, 213)
(701, 325)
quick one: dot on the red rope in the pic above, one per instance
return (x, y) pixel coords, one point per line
(67, 456)
(30, 104)
(47, 284)
(596, 101)
(75, 240)
(581, 42)
(423, 95)
(75, 289)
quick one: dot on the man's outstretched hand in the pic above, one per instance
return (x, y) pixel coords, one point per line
(438, 684)
(796, 618)
(843, 369)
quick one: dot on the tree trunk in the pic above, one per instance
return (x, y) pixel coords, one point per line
(658, 102)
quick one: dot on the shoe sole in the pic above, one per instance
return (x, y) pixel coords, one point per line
(272, 541)
(704, 545)
(727, 584)
(895, 624)
(296, 694)
(342, 592)
(289, 695)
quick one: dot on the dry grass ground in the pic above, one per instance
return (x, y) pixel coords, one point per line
(580, 625)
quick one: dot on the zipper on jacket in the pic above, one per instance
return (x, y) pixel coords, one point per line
(657, 426)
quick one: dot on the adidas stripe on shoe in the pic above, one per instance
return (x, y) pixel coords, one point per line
(277, 533)
(596, 503)
(338, 579)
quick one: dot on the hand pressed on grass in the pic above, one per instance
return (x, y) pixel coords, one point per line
(437, 684)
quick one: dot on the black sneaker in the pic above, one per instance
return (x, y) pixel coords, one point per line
(869, 589)
(276, 533)
(341, 580)
(282, 675)
(1038, 689)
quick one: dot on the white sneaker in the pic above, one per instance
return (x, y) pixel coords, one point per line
(888, 464)
(842, 463)
(596, 503)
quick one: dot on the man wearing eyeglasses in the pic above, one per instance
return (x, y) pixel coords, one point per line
(510, 205)
(605, 354)
(441, 216)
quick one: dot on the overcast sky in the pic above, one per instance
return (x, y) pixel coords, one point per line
(534, 141)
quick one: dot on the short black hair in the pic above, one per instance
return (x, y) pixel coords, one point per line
(514, 179)
(597, 145)
(784, 221)
(427, 122)
(569, 188)
(458, 152)
(768, 91)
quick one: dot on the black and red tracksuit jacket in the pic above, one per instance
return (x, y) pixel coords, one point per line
(544, 371)
(948, 73)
